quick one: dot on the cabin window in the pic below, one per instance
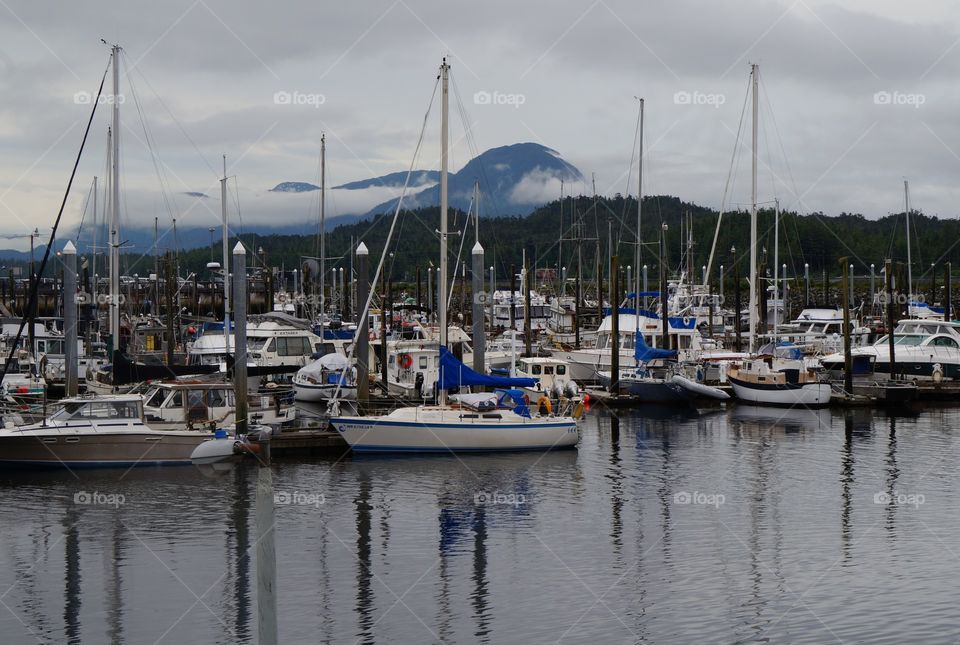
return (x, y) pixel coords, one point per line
(423, 362)
(103, 410)
(155, 400)
(195, 398)
(293, 346)
(548, 370)
(216, 398)
(943, 341)
(628, 341)
(176, 401)
(561, 370)
(535, 370)
(256, 344)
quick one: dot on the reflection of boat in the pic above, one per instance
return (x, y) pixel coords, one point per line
(97, 431)
(788, 420)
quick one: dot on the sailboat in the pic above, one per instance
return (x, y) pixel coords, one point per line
(771, 377)
(458, 427)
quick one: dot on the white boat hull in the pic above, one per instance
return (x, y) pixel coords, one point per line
(811, 395)
(433, 429)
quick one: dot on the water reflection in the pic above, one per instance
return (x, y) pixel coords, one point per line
(364, 604)
(71, 608)
(471, 568)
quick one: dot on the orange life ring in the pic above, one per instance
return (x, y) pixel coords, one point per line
(406, 361)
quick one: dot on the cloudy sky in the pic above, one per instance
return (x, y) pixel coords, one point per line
(856, 96)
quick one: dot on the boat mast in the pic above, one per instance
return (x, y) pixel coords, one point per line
(753, 219)
(115, 210)
(906, 206)
(93, 259)
(636, 264)
(444, 107)
(776, 266)
(226, 260)
(323, 217)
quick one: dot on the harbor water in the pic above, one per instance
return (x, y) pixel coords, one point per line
(725, 525)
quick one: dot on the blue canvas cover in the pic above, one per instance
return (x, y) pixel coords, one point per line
(644, 353)
(453, 374)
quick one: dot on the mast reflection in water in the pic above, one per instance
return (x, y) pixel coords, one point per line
(664, 525)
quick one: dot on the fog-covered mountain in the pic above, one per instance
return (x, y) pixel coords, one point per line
(514, 180)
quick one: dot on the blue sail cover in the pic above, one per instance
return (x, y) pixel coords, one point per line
(644, 353)
(453, 374)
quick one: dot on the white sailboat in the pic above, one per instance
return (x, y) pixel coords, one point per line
(770, 378)
(446, 427)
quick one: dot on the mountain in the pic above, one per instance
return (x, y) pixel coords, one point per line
(294, 187)
(391, 180)
(394, 180)
(514, 180)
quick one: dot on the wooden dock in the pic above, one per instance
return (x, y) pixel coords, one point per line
(307, 442)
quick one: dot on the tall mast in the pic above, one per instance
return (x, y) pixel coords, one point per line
(226, 259)
(323, 216)
(637, 256)
(444, 107)
(115, 209)
(562, 288)
(777, 308)
(93, 259)
(753, 219)
(906, 206)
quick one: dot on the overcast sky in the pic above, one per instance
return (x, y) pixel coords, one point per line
(857, 96)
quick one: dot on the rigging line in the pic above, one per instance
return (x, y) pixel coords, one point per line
(83, 213)
(175, 121)
(396, 215)
(730, 175)
(474, 149)
(151, 147)
(236, 196)
(35, 290)
(463, 238)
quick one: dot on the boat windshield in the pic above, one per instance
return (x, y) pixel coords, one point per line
(908, 339)
(90, 410)
(256, 344)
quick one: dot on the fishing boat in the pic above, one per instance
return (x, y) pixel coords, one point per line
(446, 427)
(97, 432)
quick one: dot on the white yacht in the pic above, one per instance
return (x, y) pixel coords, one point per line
(273, 340)
(923, 350)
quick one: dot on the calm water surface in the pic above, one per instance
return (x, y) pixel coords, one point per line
(740, 525)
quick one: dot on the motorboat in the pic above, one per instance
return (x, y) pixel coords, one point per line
(924, 349)
(97, 432)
